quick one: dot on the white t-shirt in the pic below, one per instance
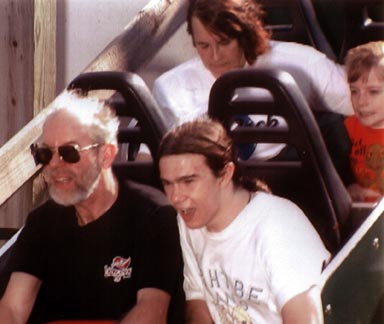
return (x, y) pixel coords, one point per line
(183, 92)
(247, 272)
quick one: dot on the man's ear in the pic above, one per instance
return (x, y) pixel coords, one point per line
(108, 154)
(227, 174)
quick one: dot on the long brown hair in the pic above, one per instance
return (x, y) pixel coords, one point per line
(239, 19)
(209, 138)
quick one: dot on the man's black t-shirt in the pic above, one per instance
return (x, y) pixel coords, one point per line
(94, 271)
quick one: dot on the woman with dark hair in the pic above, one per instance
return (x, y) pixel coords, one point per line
(249, 256)
(228, 35)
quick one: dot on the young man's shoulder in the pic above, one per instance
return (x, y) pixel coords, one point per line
(272, 200)
(272, 208)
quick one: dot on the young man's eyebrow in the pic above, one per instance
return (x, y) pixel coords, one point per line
(187, 177)
(180, 179)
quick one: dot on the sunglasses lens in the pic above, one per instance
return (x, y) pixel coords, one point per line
(43, 155)
(69, 153)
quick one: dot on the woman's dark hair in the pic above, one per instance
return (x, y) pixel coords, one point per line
(239, 19)
(210, 139)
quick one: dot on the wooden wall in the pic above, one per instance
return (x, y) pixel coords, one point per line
(27, 80)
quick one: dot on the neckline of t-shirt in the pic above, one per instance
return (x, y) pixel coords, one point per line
(238, 223)
(104, 217)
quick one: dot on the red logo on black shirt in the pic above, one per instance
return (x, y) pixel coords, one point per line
(119, 269)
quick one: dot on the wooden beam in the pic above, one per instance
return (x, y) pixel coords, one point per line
(44, 54)
(133, 47)
(16, 162)
(37, 85)
(16, 92)
(45, 70)
(142, 37)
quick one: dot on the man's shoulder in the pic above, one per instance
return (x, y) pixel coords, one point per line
(141, 193)
(271, 204)
(47, 210)
(147, 205)
(295, 50)
(50, 216)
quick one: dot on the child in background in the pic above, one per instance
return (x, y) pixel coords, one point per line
(365, 71)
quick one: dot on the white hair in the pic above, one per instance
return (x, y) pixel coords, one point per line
(95, 115)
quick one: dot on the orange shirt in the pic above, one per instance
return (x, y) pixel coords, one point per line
(367, 154)
(83, 322)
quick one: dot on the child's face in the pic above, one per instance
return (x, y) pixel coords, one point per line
(367, 95)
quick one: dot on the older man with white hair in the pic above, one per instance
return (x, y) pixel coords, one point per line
(101, 248)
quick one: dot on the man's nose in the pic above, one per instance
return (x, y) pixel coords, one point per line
(215, 52)
(56, 159)
(177, 195)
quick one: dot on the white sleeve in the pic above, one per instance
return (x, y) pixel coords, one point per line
(294, 253)
(193, 284)
(330, 80)
(322, 81)
(164, 99)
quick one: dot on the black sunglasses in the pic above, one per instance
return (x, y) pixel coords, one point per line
(69, 153)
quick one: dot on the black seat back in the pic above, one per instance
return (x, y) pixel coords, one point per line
(364, 22)
(311, 180)
(142, 121)
(296, 21)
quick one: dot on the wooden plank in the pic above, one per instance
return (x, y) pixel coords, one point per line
(39, 59)
(45, 70)
(142, 37)
(16, 160)
(44, 54)
(16, 91)
(16, 66)
(133, 47)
